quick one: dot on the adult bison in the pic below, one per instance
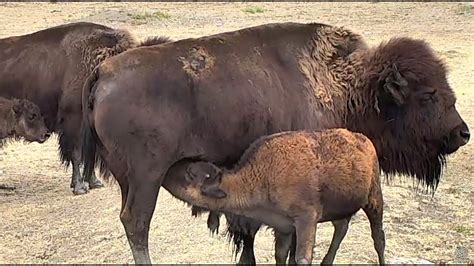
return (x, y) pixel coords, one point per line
(209, 98)
(49, 68)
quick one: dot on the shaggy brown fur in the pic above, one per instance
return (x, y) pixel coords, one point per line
(155, 40)
(262, 80)
(49, 68)
(21, 119)
(294, 179)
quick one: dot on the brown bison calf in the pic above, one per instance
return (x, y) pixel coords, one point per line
(294, 180)
(21, 118)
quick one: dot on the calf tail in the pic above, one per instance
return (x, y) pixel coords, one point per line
(90, 140)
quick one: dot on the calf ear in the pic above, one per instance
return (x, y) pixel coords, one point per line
(188, 174)
(394, 84)
(213, 191)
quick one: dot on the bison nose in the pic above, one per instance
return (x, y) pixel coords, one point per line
(47, 135)
(465, 134)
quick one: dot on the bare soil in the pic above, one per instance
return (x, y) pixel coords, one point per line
(42, 222)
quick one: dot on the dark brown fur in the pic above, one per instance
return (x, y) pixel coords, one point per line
(21, 119)
(209, 98)
(49, 68)
(293, 179)
(155, 40)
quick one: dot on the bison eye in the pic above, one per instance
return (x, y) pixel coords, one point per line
(428, 96)
(207, 176)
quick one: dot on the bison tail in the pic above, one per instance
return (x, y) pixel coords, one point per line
(90, 140)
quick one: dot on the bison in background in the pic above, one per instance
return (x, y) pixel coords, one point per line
(209, 98)
(49, 68)
(21, 119)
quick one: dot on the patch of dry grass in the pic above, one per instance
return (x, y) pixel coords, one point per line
(144, 18)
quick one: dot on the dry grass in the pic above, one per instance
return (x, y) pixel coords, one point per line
(144, 18)
(41, 222)
(253, 10)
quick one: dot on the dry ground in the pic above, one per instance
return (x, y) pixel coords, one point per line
(41, 222)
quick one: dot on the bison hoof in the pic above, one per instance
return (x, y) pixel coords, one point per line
(303, 262)
(95, 184)
(80, 189)
(246, 260)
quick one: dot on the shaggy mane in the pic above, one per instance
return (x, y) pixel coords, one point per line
(155, 40)
(418, 63)
(330, 64)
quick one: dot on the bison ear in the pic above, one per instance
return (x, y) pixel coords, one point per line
(17, 108)
(394, 84)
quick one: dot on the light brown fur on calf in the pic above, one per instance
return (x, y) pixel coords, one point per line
(297, 179)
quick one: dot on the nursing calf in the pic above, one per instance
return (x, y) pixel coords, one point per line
(208, 98)
(292, 181)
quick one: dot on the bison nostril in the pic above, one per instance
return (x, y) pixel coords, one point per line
(465, 134)
(47, 135)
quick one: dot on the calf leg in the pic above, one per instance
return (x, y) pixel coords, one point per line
(374, 211)
(305, 234)
(282, 246)
(340, 231)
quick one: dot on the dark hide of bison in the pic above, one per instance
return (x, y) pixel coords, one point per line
(49, 68)
(209, 98)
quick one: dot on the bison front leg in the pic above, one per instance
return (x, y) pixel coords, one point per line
(242, 231)
(94, 182)
(70, 142)
(77, 183)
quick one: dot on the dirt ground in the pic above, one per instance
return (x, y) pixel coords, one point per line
(42, 222)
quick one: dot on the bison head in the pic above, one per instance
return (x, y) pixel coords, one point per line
(207, 177)
(418, 124)
(29, 122)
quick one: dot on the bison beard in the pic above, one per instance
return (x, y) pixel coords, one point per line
(311, 77)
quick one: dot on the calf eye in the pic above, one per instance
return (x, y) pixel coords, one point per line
(207, 176)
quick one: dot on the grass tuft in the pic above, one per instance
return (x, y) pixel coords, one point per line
(253, 10)
(147, 17)
(464, 9)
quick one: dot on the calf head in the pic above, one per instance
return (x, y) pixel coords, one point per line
(418, 124)
(207, 177)
(29, 123)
